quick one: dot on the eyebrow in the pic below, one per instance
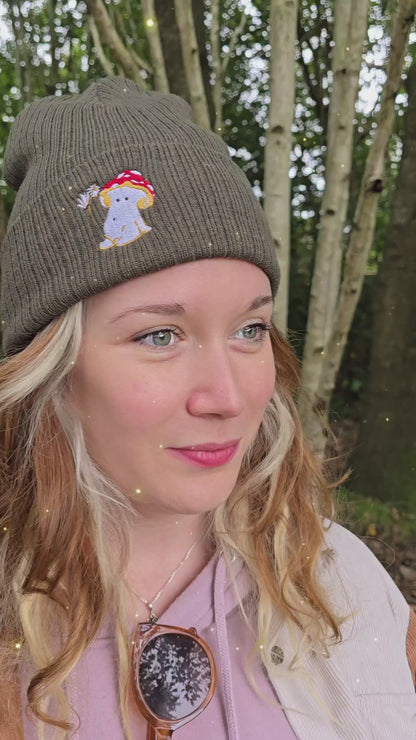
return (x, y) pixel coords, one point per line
(175, 309)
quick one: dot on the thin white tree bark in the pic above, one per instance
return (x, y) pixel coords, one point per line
(112, 39)
(216, 65)
(153, 36)
(365, 215)
(105, 63)
(283, 18)
(350, 27)
(190, 52)
(141, 63)
(362, 233)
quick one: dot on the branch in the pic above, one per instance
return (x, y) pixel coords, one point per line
(105, 63)
(351, 18)
(238, 30)
(155, 45)
(283, 16)
(216, 64)
(190, 53)
(141, 62)
(365, 216)
(109, 35)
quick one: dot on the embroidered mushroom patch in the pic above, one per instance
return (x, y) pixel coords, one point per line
(125, 196)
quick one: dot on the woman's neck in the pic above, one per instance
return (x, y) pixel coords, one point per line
(167, 552)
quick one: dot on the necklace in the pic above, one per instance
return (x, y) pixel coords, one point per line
(150, 603)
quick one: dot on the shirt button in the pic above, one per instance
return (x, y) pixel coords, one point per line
(276, 654)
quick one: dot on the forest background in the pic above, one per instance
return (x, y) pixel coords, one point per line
(317, 103)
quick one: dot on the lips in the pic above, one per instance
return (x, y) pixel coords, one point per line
(208, 454)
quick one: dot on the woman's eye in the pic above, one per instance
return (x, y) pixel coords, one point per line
(159, 338)
(255, 332)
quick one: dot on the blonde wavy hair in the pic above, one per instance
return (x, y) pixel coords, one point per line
(59, 512)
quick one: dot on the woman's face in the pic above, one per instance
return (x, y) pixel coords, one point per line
(172, 361)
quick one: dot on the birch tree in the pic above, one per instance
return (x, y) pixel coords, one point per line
(105, 63)
(216, 64)
(362, 232)
(129, 62)
(190, 51)
(350, 27)
(152, 29)
(283, 22)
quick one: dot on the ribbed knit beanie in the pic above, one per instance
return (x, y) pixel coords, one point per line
(114, 183)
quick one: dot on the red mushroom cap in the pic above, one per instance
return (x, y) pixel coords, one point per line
(132, 176)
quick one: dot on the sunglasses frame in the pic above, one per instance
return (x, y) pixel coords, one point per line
(144, 633)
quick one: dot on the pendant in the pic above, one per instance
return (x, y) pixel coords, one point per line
(153, 617)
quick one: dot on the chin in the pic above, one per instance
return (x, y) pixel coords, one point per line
(199, 499)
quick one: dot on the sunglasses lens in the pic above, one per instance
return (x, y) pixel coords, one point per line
(174, 675)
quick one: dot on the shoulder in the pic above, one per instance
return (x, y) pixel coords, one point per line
(360, 589)
(358, 577)
(375, 615)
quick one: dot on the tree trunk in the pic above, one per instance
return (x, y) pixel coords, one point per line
(350, 28)
(283, 18)
(386, 456)
(54, 68)
(362, 232)
(105, 63)
(172, 50)
(216, 65)
(152, 30)
(198, 12)
(109, 35)
(190, 53)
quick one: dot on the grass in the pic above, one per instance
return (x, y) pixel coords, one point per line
(375, 518)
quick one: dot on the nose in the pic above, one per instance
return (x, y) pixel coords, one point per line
(215, 385)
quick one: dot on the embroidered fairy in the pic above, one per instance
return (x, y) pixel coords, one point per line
(125, 197)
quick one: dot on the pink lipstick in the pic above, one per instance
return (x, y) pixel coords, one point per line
(208, 455)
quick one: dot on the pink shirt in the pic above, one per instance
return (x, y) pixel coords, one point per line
(236, 711)
(361, 689)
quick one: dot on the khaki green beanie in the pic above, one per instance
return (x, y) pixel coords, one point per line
(112, 184)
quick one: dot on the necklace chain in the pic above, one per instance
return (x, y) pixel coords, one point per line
(151, 602)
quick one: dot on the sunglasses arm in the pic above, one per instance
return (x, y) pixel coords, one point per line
(160, 734)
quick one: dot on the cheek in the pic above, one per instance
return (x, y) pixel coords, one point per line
(263, 381)
(144, 404)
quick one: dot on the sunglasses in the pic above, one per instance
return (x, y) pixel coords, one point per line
(174, 676)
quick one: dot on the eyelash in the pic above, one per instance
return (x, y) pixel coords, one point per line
(264, 329)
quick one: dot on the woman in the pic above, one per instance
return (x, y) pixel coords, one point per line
(153, 470)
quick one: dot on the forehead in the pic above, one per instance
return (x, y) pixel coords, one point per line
(192, 284)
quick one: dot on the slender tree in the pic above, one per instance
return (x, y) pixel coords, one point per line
(107, 66)
(316, 405)
(152, 27)
(350, 29)
(216, 65)
(129, 62)
(190, 52)
(283, 17)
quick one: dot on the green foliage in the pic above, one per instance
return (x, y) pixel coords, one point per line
(374, 518)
